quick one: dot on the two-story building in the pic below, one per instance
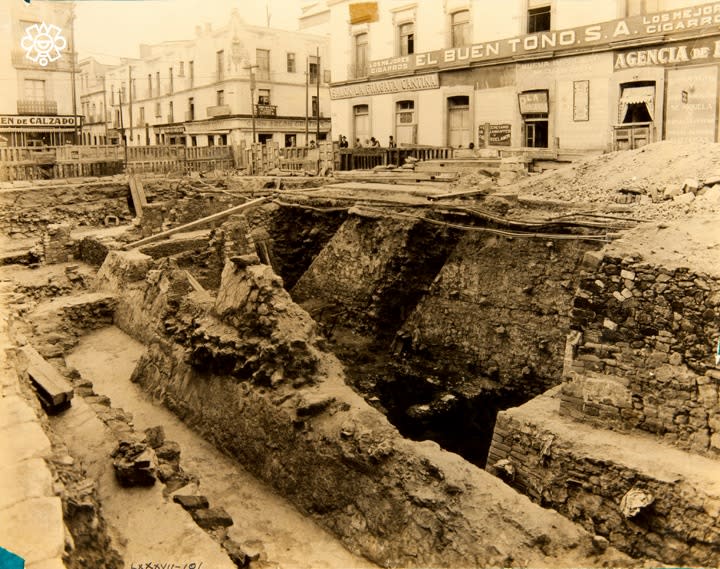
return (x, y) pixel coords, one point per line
(238, 83)
(36, 71)
(93, 101)
(562, 74)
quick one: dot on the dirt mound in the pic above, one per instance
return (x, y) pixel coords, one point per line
(644, 174)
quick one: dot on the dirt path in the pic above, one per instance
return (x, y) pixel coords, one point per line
(263, 520)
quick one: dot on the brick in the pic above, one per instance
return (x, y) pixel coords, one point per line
(503, 447)
(191, 502)
(625, 274)
(34, 529)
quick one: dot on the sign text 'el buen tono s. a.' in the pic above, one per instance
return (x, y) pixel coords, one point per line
(661, 25)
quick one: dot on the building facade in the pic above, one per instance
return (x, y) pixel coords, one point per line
(36, 71)
(93, 101)
(225, 86)
(556, 74)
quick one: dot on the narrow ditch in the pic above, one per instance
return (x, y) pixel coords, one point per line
(264, 523)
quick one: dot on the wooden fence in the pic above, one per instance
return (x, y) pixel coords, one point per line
(261, 159)
(32, 163)
(368, 158)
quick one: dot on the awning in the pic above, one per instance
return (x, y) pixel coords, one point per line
(634, 96)
(631, 95)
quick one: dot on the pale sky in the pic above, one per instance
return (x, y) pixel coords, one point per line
(117, 27)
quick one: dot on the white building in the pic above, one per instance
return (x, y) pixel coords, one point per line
(569, 75)
(36, 104)
(220, 86)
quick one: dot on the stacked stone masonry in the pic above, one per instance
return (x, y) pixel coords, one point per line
(31, 514)
(395, 501)
(642, 356)
(681, 526)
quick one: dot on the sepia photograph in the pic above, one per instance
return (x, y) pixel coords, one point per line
(343, 284)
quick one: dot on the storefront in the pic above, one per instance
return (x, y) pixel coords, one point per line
(667, 92)
(29, 130)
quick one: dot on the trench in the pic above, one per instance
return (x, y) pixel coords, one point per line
(444, 393)
(263, 521)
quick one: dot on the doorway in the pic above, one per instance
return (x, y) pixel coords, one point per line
(459, 131)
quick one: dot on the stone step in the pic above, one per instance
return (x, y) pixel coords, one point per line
(592, 477)
(54, 391)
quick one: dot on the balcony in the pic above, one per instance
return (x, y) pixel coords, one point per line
(357, 71)
(218, 111)
(20, 61)
(33, 107)
(265, 110)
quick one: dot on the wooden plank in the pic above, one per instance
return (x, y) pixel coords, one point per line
(54, 391)
(137, 192)
(197, 223)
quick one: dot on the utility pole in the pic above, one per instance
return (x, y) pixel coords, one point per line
(307, 94)
(122, 128)
(130, 97)
(104, 118)
(317, 94)
(252, 97)
(73, 53)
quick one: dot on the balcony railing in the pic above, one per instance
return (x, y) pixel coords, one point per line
(265, 110)
(357, 71)
(33, 107)
(218, 111)
(64, 63)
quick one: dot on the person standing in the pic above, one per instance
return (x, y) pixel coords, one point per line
(391, 142)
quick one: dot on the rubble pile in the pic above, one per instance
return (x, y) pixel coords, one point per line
(664, 180)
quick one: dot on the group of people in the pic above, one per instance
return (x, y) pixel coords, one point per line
(369, 143)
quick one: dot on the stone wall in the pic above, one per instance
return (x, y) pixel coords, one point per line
(373, 271)
(304, 431)
(27, 211)
(643, 354)
(585, 475)
(497, 314)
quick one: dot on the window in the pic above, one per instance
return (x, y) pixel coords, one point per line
(158, 111)
(191, 69)
(313, 66)
(262, 60)
(460, 28)
(220, 60)
(315, 106)
(170, 84)
(406, 33)
(117, 118)
(326, 76)
(141, 119)
(34, 89)
(263, 96)
(123, 94)
(157, 83)
(360, 59)
(171, 114)
(181, 69)
(291, 63)
(220, 98)
(640, 7)
(361, 123)
(133, 90)
(191, 109)
(112, 95)
(149, 85)
(538, 19)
